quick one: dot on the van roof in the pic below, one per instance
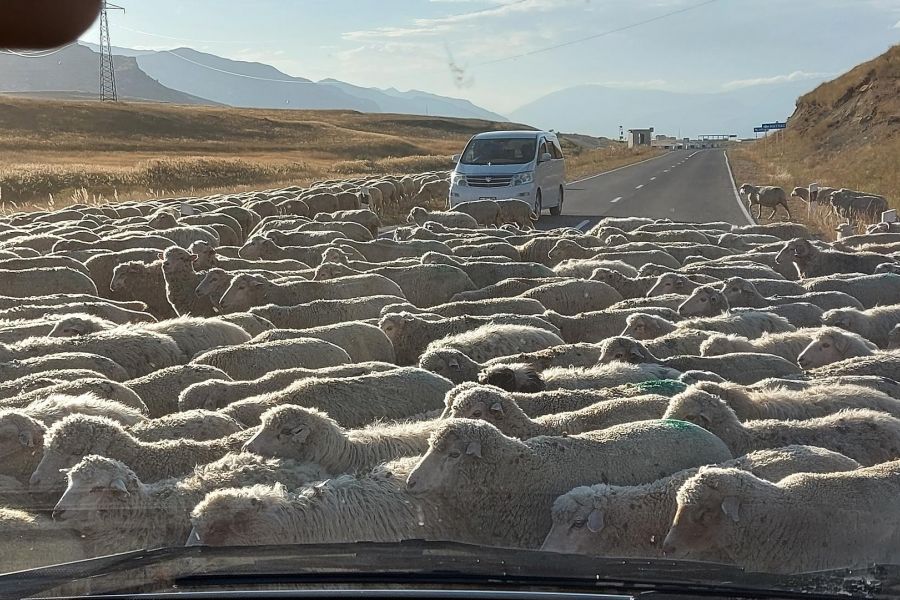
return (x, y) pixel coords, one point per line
(513, 134)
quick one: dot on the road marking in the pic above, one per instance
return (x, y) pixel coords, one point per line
(665, 170)
(582, 224)
(637, 187)
(616, 169)
(616, 199)
(693, 154)
(652, 178)
(734, 187)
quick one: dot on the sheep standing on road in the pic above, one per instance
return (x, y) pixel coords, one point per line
(767, 195)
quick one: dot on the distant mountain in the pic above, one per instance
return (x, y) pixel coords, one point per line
(74, 69)
(599, 110)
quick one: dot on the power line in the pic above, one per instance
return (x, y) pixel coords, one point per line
(184, 58)
(12, 52)
(177, 39)
(596, 35)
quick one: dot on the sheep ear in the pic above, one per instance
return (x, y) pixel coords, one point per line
(636, 352)
(194, 257)
(474, 448)
(117, 485)
(731, 506)
(496, 407)
(595, 521)
(840, 343)
(26, 438)
(453, 363)
(257, 284)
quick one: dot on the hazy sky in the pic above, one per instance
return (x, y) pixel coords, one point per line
(474, 48)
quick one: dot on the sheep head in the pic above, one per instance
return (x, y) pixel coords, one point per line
(671, 283)
(258, 247)
(19, 435)
(704, 301)
(641, 326)
(489, 405)
(707, 505)
(127, 274)
(576, 521)
(798, 251)
(719, 344)
(888, 267)
(610, 277)
(177, 260)
(449, 363)
(97, 486)
(335, 255)
(417, 215)
(214, 284)
(833, 345)
(244, 292)
(513, 377)
(163, 220)
(206, 255)
(844, 318)
(328, 270)
(78, 324)
(740, 292)
(624, 349)
(653, 270)
(295, 432)
(564, 249)
(70, 440)
(703, 409)
(457, 450)
(237, 517)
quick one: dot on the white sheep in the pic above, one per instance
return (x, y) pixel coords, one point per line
(865, 435)
(363, 342)
(32, 540)
(493, 340)
(449, 218)
(767, 195)
(248, 361)
(812, 261)
(831, 345)
(324, 312)
(100, 366)
(159, 390)
(788, 345)
(874, 324)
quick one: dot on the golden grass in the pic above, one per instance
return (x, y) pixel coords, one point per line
(583, 162)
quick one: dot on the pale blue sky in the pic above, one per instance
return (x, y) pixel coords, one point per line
(408, 43)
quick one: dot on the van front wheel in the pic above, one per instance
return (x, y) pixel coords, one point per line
(557, 210)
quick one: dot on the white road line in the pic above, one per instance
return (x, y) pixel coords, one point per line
(637, 187)
(616, 199)
(693, 154)
(652, 178)
(665, 170)
(734, 187)
(582, 224)
(617, 169)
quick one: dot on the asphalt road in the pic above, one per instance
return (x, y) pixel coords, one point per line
(683, 185)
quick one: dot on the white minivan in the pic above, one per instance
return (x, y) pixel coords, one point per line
(522, 165)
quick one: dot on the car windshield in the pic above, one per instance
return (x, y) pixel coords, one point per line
(499, 151)
(600, 292)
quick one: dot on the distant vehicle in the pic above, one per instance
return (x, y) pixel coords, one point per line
(521, 165)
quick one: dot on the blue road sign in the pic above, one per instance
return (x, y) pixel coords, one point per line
(759, 129)
(775, 125)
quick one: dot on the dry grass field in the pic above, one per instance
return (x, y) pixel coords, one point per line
(63, 151)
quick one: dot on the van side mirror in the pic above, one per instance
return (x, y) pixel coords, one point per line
(456, 157)
(545, 157)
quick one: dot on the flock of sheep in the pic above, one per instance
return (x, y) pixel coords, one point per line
(845, 203)
(261, 368)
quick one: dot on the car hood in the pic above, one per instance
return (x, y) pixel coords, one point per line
(493, 169)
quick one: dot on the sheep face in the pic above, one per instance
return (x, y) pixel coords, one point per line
(20, 435)
(833, 346)
(703, 302)
(335, 255)
(237, 517)
(163, 220)
(417, 215)
(66, 443)
(449, 363)
(459, 447)
(244, 292)
(575, 523)
(564, 249)
(177, 260)
(844, 318)
(701, 408)
(717, 345)
(518, 377)
(330, 271)
(797, 251)
(73, 326)
(206, 255)
(126, 276)
(617, 239)
(608, 276)
(640, 327)
(481, 406)
(292, 432)
(623, 349)
(256, 247)
(704, 511)
(96, 486)
(214, 284)
(739, 291)
(671, 283)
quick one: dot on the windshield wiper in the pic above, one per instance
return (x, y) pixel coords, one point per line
(420, 564)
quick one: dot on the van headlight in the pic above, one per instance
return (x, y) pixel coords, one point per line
(458, 179)
(522, 178)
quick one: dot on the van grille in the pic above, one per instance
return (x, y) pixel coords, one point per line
(489, 181)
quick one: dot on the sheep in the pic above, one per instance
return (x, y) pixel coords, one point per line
(327, 512)
(311, 436)
(21, 444)
(853, 204)
(566, 248)
(676, 343)
(384, 250)
(364, 217)
(739, 367)
(57, 406)
(247, 291)
(482, 308)
(830, 345)
(790, 526)
(598, 325)
(670, 283)
(181, 283)
(143, 516)
(419, 216)
(353, 401)
(811, 261)
(574, 296)
(36, 381)
(748, 324)
(518, 212)
(214, 394)
(200, 425)
(883, 365)
(362, 342)
(868, 436)
(100, 365)
(32, 540)
(870, 290)
(788, 345)
(822, 195)
(632, 521)
(874, 324)
(319, 313)
(484, 273)
(672, 301)
(587, 269)
(252, 324)
(160, 390)
(767, 195)
(485, 212)
(249, 360)
(138, 352)
(99, 387)
(743, 293)
(707, 301)
(597, 377)
(45, 280)
(422, 285)
(467, 458)
(504, 414)
(77, 436)
(143, 282)
(496, 339)
(411, 334)
(816, 400)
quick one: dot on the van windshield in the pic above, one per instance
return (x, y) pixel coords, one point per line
(499, 151)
